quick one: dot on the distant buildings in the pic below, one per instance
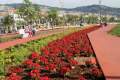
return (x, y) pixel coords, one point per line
(4, 11)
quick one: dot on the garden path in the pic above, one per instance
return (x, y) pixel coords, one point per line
(107, 49)
(40, 34)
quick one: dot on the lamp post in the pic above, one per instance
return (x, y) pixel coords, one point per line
(62, 6)
(100, 2)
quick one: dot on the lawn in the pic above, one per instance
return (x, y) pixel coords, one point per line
(115, 30)
(16, 54)
(5, 39)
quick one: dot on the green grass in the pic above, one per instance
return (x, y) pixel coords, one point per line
(5, 39)
(116, 30)
(16, 54)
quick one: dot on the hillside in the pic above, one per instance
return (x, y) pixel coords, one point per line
(87, 9)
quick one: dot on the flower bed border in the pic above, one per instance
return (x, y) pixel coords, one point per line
(96, 56)
(89, 46)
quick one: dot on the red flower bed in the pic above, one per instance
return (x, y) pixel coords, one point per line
(60, 60)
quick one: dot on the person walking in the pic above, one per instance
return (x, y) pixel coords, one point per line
(21, 31)
(34, 31)
(30, 31)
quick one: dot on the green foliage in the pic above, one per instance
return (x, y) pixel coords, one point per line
(8, 22)
(116, 30)
(5, 39)
(2, 40)
(91, 19)
(53, 13)
(28, 11)
(104, 19)
(20, 23)
(2, 63)
(15, 55)
(72, 19)
(53, 16)
(112, 19)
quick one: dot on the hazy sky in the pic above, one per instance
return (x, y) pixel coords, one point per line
(68, 3)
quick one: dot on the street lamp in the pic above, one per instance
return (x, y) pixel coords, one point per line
(100, 2)
(62, 6)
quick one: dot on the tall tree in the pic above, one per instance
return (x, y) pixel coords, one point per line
(53, 16)
(28, 11)
(104, 19)
(8, 22)
(112, 19)
(72, 19)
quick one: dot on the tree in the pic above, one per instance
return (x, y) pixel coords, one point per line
(28, 11)
(8, 22)
(111, 19)
(104, 19)
(72, 19)
(69, 18)
(93, 19)
(20, 23)
(53, 16)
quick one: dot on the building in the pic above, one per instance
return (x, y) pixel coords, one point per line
(4, 11)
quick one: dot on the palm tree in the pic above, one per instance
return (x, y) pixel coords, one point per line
(8, 22)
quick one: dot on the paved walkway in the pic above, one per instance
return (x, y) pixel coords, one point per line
(40, 34)
(107, 49)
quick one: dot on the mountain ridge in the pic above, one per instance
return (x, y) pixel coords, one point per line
(87, 9)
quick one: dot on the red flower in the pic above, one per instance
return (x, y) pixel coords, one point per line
(58, 57)
(44, 78)
(81, 78)
(28, 62)
(68, 54)
(46, 68)
(34, 55)
(43, 60)
(15, 70)
(45, 51)
(14, 76)
(73, 62)
(35, 73)
(52, 66)
(35, 65)
(64, 70)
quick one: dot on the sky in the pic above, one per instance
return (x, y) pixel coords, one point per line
(68, 3)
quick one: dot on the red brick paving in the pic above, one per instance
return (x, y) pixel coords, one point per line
(107, 49)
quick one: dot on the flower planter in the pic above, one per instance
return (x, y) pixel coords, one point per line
(62, 59)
